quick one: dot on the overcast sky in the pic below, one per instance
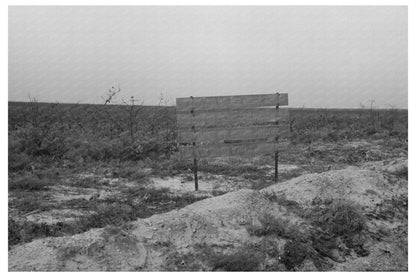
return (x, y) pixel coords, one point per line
(331, 57)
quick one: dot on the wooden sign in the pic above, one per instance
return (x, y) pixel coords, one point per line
(242, 125)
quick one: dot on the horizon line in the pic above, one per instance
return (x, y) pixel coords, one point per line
(290, 107)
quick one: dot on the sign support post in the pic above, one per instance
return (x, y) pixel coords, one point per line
(276, 166)
(276, 153)
(194, 148)
(196, 174)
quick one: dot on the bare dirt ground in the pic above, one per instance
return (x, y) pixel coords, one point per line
(107, 188)
(324, 215)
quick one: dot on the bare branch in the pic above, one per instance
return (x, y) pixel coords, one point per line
(111, 93)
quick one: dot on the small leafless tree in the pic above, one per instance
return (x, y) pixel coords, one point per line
(34, 111)
(134, 110)
(110, 94)
(372, 101)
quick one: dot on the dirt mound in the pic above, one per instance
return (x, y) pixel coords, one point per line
(156, 242)
(396, 166)
(365, 188)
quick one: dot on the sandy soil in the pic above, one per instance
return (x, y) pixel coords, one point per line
(365, 188)
(166, 241)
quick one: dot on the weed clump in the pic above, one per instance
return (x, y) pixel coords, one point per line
(269, 226)
(341, 218)
(344, 220)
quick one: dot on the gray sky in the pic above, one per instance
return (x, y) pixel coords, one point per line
(333, 57)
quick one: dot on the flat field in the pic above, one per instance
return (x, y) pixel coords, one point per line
(101, 187)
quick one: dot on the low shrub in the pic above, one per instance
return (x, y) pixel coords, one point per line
(341, 218)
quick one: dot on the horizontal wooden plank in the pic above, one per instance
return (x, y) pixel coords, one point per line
(225, 110)
(231, 102)
(218, 135)
(233, 118)
(230, 150)
(234, 141)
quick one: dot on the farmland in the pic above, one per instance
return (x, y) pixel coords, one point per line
(92, 182)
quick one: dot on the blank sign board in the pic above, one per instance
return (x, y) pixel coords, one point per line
(238, 125)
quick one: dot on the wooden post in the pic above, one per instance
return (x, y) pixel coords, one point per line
(194, 150)
(276, 165)
(196, 174)
(276, 153)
